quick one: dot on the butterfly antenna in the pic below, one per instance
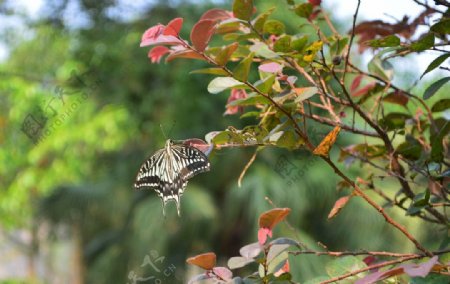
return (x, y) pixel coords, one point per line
(162, 130)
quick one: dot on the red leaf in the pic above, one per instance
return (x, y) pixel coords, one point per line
(236, 94)
(173, 27)
(262, 235)
(201, 34)
(356, 82)
(155, 35)
(315, 2)
(216, 15)
(157, 52)
(206, 261)
(271, 67)
(364, 90)
(199, 144)
(338, 205)
(184, 53)
(284, 269)
(272, 217)
(397, 97)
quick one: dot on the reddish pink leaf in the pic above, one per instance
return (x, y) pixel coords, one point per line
(397, 97)
(284, 269)
(199, 144)
(236, 94)
(157, 52)
(271, 67)
(356, 82)
(216, 15)
(420, 269)
(364, 90)
(223, 272)
(184, 53)
(201, 34)
(173, 27)
(272, 217)
(206, 261)
(262, 235)
(338, 205)
(315, 2)
(368, 260)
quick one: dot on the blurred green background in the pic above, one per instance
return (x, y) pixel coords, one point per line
(76, 76)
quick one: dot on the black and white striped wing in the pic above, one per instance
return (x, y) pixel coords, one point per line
(168, 173)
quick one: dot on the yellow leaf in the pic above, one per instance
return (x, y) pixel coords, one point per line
(324, 147)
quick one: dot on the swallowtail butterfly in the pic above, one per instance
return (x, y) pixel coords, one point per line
(169, 170)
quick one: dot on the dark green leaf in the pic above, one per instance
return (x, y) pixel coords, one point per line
(435, 63)
(274, 27)
(304, 10)
(443, 27)
(433, 88)
(424, 43)
(259, 22)
(243, 9)
(241, 71)
(284, 241)
(431, 278)
(441, 105)
(390, 40)
(393, 121)
(300, 43)
(250, 114)
(437, 137)
(283, 44)
(411, 149)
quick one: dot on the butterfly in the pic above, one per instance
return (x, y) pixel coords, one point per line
(169, 170)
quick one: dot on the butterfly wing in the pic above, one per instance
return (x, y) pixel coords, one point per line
(168, 173)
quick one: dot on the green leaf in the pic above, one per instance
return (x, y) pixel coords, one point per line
(305, 93)
(241, 71)
(251, 100)
(265, 85)
(390, 40)
(258, 23)
(436, 139)
(299, 44)
(411, 149)
(225, 53)
(273, 27)
(220, 84)
(382, 68)
(317, 280)
(283, 44)
(441, 105)
(433, 88)
(243, 9)
(435, 63)
(284, 241)
(214, 71)
(261, 50)
(227, 137)
(424, 43)
(250, 114)
(443, 27)
(338, 46)
(344, 265)
(431, 278)
(394, 120)
(304, 10)
(287, 140)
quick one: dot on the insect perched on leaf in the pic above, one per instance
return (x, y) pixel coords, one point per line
(169, 170)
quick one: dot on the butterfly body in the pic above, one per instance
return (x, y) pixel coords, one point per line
(169, 170)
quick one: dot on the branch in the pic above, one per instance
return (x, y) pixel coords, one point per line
(347, 57)
(380, 265)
